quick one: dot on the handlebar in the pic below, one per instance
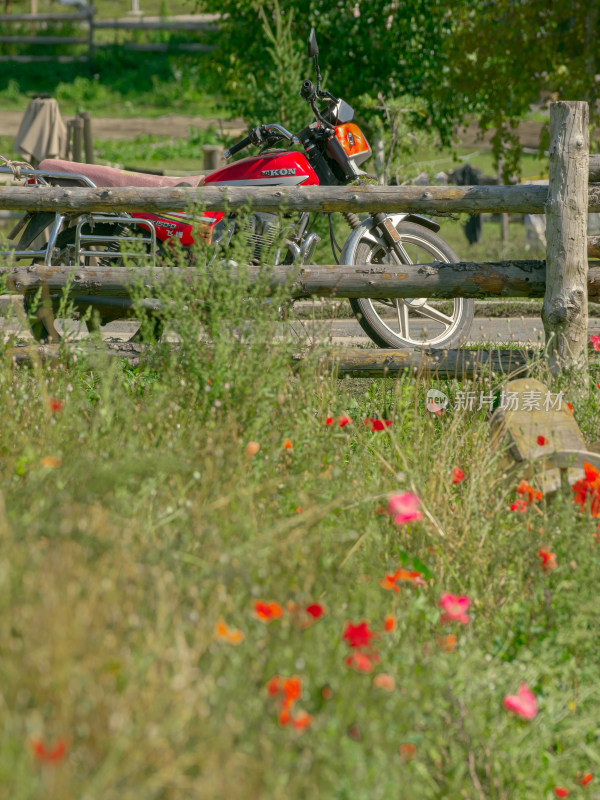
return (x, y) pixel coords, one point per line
(237, 147)
(258, 135)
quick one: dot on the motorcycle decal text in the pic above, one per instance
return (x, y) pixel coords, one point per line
(276, 172)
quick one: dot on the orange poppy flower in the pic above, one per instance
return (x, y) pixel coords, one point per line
(404, 575)
(287, 444)
(302, 720)
(447, 643)
(407, 751)
(529, 492)
(267, 611)
(52, 754)
(548, 560)
(227, 634)
(51, 461)
(384, 681)
(389, 623)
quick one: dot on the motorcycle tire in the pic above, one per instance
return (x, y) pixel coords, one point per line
(388, 322)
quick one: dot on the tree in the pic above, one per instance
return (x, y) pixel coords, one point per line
(483, 59)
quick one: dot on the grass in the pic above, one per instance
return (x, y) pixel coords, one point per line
(138, 530)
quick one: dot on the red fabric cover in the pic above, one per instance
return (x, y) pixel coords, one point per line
(108, 176)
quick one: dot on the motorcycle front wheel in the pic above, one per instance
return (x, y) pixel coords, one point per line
(412, 322)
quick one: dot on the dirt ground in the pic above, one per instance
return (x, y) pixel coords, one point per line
(176, 125)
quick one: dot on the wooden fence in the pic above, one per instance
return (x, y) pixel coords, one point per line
(85, 19)
(564, 279)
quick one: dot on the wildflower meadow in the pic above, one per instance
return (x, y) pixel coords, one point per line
(224, 575)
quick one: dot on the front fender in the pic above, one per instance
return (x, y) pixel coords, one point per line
(368, 230)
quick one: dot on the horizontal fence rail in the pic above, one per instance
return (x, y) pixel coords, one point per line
(436, 280)
(420, 199)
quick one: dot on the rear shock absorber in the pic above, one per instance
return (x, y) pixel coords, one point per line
(351, 219)
(114, 246)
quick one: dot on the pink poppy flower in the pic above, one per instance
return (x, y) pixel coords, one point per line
(403, 508)
(523, 704)
(454, 608)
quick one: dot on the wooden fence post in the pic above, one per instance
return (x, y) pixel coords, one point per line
(565, 310)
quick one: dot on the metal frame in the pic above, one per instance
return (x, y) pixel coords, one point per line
(42, 178)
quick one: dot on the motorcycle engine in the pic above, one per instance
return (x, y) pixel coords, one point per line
(266, 238)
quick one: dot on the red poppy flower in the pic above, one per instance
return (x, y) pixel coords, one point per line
(329, 421)
(358, 635)
(55, 404)
(548, 561)
(457, 475)
(570, 407)
(363, 661)
(52, 754)
(589, 486)
(595, 342)
(287, 445)
(315, 610)
(343, 421)
(267, 611)
(559, 791)
(519, 505)
(541, 440)
(378, 424)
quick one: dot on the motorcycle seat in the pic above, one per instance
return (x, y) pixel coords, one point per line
(109, 176)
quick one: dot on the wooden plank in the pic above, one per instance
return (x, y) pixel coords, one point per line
(82, 16)
(440, 364)
(43, 59)
(594, 172)
(593, 246)
(353, 362)
(437, 280)
(46, 40)
(161, 25)
(425, 199)
(156, 47)
(517, 428)
(564, 310)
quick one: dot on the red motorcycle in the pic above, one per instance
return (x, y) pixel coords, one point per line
(333, 150)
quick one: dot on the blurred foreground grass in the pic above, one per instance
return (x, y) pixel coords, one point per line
(138, 530)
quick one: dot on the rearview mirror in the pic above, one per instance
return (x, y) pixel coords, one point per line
(313, 47)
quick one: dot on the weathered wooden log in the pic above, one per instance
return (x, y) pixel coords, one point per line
(593, 246)
(423, 199)
(436, 280)
(354, 362)
(47, 40)
(201, 24)
(564, 310)
(84, 14)
(446, 364)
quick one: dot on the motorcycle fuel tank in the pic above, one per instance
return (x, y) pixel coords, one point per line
(275, 168)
